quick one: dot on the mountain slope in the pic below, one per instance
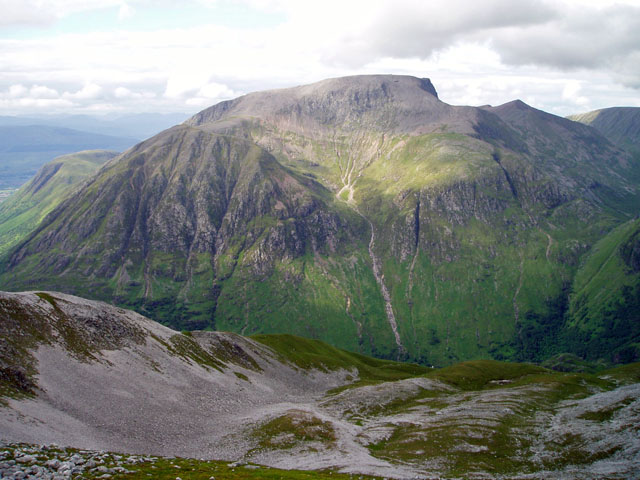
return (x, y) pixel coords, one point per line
(24, 149)
(444, 188)
(26, 208)
(362, 211)
(188, 209)
(604, 311)
(621, 125)
(87, 374)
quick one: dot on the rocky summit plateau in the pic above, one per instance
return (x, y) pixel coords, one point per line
(80, 379)
(365, 212)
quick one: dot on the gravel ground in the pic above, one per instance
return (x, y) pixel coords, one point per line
(138, 396)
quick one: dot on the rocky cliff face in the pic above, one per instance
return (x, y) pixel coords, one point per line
(172, 217)
(361, 210)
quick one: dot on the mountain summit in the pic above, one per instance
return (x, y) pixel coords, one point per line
(362, 211)
(388, 102)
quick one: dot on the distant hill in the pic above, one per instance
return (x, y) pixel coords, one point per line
(621, 125)
(25, 209)
(24, 149)
(139, 125)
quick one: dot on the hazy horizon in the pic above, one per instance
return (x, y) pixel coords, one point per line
(129, 56)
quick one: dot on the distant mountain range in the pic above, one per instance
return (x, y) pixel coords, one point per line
(365, 212)
(138, 126)
(26, 143)
(24, 149)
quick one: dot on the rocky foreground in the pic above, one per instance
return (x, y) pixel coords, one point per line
(88, 375)
(21, 461)
(25, 461)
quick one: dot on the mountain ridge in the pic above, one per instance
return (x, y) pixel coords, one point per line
(23, 211)
(620, 124)
(348, 214)
(24, 149)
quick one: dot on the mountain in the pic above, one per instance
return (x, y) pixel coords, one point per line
(138, 125)
(24, 149)
(621, 125)
(26, 208)
(362, 211)
(86, 374)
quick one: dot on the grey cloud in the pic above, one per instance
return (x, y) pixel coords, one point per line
(25, 13)
(581, 39)
(530, 32)
(417, 29)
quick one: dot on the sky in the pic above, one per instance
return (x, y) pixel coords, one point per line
(131, 56)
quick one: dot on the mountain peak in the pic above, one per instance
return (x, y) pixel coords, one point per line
(342, 100)
(387, 82)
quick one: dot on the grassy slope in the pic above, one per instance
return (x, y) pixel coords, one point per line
(24, 210)
(432, 306)
(499, 271)
(306, 353)
(318, 295)
(604, 312)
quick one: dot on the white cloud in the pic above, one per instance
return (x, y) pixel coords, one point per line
(26, 12)
(45, 104)
(184, 82)
(17, 90)
(126, 11)
(41, 91)
(561, 55)
(41, 12)
(571, 92)
(123, 92)
(215, 90)
(89, 92)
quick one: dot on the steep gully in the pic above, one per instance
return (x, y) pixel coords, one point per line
(348, 183)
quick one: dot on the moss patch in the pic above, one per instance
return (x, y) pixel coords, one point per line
(294, 428)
